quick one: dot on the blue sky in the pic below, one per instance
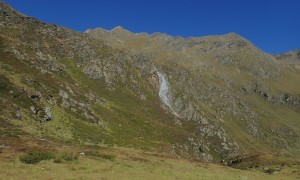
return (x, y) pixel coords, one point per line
(272, 25)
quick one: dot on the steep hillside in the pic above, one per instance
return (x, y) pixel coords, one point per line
(205, 98)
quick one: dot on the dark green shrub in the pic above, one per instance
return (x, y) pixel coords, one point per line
(106, 156)
(4, 82)
(201, 149)
(34, 157)
(100, 154)
(57, 160)
(69, 156)
(270, 171)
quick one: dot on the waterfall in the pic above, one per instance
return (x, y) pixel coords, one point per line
(164, 92)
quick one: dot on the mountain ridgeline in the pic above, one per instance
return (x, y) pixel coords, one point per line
(206, 98)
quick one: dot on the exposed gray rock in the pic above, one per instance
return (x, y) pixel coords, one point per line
(34, 110)
(63, 94)
(19, 114)
(91, 96)
(48, 115)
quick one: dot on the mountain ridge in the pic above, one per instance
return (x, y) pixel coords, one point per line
(121, 29)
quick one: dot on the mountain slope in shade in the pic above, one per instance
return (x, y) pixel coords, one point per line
(207, 98)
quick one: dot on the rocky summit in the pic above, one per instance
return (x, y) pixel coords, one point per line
(201, 98)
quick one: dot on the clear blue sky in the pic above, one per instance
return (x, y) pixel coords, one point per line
(272, 25)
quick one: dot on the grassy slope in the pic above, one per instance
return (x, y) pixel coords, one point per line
(128, 164)
(158, 168)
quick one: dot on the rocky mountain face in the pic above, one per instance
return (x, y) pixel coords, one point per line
(204, 98)
(289, 56)
(290, 59)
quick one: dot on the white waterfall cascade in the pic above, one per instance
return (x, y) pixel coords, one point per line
(164, 92)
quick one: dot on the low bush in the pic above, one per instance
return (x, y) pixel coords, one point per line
(69, 156)
(106, 156)
(57, 160)
(270, 171)
(100, 154)
(34, 157)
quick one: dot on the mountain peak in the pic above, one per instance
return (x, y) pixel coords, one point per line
(233, 35)
(122, 33)
(119, 29)
(7, 9)
(96, 29)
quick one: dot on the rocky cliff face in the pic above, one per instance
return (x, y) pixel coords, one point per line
(201, 98)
